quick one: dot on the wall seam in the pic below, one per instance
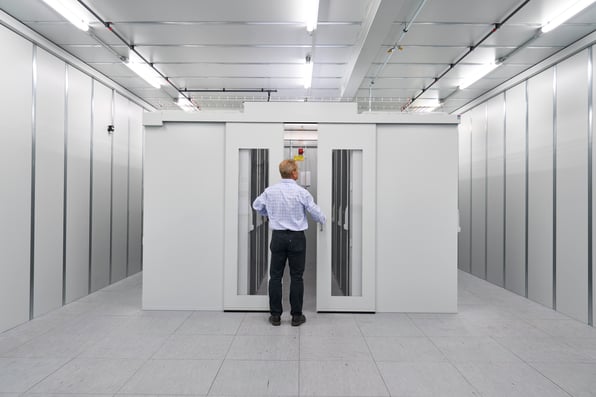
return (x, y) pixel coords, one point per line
(486, 191)
(128, 195)
(33, 164)
(505, 189)
(555, 187)
(471, 189)
(92, 119)
(526, 198)
(111, 136)
(590, 181)
(65, 187)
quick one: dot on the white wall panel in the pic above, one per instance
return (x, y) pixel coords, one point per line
(15, 178)
(464, 195)
(495, 199)
(572, 189)
(540, 188)
(478, 206)
(417, 223)
(515, 200)
(49, 182)
(78, 184)
(184, 211)
(135, 191)
(100, 234)
(120, 189)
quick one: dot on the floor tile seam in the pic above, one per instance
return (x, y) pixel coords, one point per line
(588, 359)
(549, 379)
(454, 366)
(375, 363)
(225, 357)
(135, 372)
(48, 375)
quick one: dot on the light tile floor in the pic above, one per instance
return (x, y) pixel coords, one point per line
(499, 344)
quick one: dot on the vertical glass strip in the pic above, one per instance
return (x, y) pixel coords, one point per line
(92, 109)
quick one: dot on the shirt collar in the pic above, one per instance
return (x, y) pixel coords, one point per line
(288, 180)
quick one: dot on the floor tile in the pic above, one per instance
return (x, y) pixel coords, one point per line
(577, 379)
(564, 327)
(587, 346)
(509, 379)
(20, 374)
(211, 323)
(94, 324)
(89, 375)
(256, 378)
(173, 377)
(125, 346)
(153, 324)
(341, 378)
(404, 349)
(543, 350)
(425, 379)
(273, 347)
(53, 345)
(387, 324)
(473, 349)
(328, 324)
(258, 324)
(447, 327)
(195, 347)
(325, 348)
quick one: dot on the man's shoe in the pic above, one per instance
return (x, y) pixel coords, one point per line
(297, 320)
(275, 320)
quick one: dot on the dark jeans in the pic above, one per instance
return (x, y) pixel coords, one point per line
(290, 246)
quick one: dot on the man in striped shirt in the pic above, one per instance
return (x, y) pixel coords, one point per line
(286, 204)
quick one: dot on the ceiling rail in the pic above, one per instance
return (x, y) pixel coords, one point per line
(496, 27)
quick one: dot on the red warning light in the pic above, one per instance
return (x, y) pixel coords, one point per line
(300, 151)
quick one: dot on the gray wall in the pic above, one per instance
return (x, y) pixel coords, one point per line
(71, 192)
(526, 188)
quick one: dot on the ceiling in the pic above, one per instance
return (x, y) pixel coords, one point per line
(245, 46)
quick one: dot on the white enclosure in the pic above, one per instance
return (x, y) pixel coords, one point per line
(403, 233)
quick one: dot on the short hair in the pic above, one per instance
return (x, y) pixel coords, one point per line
(286, 167)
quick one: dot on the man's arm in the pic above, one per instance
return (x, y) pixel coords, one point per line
(259, 205)
(313, 209)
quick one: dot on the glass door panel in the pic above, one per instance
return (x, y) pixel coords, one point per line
(346, 257)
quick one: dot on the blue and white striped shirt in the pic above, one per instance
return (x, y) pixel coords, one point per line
(286, 203)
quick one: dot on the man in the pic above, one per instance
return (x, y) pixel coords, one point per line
(286, 204)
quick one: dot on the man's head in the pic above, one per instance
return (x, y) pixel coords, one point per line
(288, 169)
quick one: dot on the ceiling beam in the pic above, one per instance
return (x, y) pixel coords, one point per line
(375, 28)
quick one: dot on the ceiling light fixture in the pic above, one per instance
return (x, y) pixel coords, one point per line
(185, 104)
(72, 11)
(480, 73)
(565, 15)
(312, 15)
(146, 72)
(308, 66)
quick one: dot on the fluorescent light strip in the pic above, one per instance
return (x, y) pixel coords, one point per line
(185, 104)
(146, 72)
(565, 15)
(312, 14)
(308, 66)
(72, 11)
(486, 69)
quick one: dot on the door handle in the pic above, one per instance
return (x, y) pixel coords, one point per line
(320, 226)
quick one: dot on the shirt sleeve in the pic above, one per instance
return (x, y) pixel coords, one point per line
(259, 205)
(313, 209)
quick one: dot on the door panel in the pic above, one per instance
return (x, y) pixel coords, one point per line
(253, 153)
(346, 186)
